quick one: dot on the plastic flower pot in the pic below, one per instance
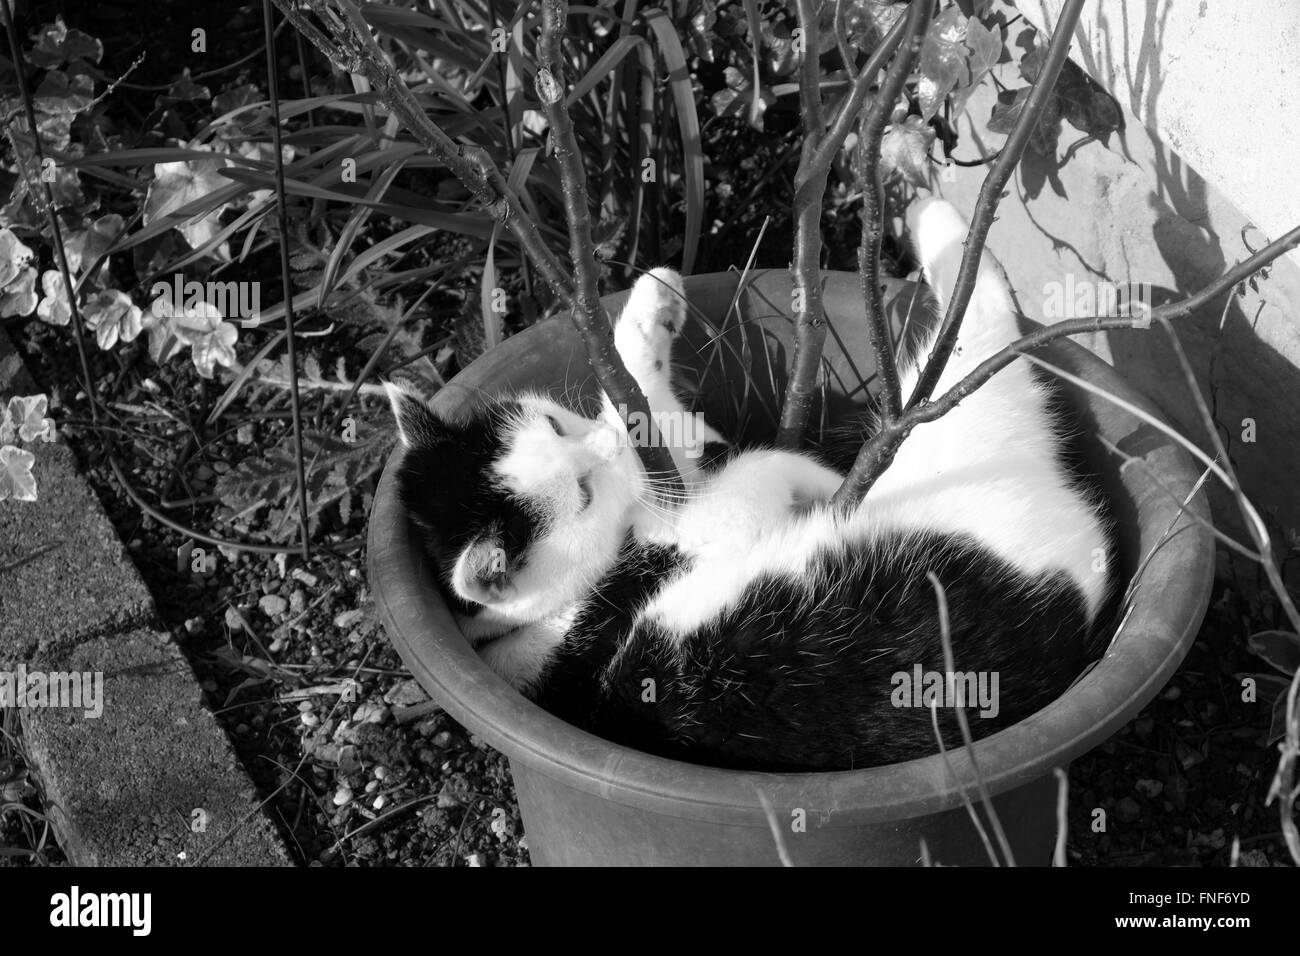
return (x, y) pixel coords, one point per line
(585, 800)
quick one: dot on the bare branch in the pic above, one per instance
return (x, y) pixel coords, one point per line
(873, 200)
(877, 453)
(809, 320)
(991, 194)
(588, 314)
(818, 149)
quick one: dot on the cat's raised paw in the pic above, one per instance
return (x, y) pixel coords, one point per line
(654, 315)
(657, 303)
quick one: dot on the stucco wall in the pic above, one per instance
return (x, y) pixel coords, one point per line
(1144, 211)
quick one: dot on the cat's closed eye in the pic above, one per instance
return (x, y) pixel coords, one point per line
(555, 424)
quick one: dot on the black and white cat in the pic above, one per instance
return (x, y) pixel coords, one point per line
(744, 623)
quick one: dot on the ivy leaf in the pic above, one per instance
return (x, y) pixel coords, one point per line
(905, 150)
(19, 296)
(943, 62)
(56, 45)
(211, 339)
(867, 21)
(17, 276)
(176, 185)
(1281, 649)
(61, 94)
(113, 316)
(985, 46)
(1007, 110)
(84, 248)
(54, 308)
(1087, 106)
(185, 90)
(738, 96)
(25, 416)
(16, 478)
(14, 257)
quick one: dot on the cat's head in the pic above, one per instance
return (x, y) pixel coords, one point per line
(523, 504)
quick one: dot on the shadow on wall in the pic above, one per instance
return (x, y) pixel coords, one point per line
(1138, 215)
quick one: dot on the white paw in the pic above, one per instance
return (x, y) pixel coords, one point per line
(654, 315)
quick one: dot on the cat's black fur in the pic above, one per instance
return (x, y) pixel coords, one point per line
(755, 689)
(776, 682)
(453, 457)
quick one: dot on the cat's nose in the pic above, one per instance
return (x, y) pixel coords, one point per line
(603, 442)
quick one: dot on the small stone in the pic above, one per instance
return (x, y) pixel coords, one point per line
(233, 620)
(379, 802)
(342, 796)
(1173, 693)
(442, 739)
(269, 586)
(407, 693)
(203, 473)
(474, 859)
(427, 728)
(349, 759)
(309, 719)
(372, 786)
(369, 712)
(273, 605)
(244, 434)
(1127, 810)
(1149, 788)
(346, 619)
(306, 705)
(306, 577)
(381, 773)
(277, 645)
(242, 729)
(446, 801)
(297, 600)
(194, 625)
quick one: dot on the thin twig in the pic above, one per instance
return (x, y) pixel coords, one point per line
(818, 149)
(950, 668)
(809, 314)
(588, 314)
(1062, 803)
(286, 284)
(877, 453)
(991, 194)
(873, 201)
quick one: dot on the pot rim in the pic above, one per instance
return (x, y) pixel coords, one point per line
(1147, 648)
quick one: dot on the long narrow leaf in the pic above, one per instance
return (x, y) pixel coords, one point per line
(679, 78)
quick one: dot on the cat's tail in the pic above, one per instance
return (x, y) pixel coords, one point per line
(938, 236)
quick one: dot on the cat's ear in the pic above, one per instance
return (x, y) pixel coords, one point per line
(417, 425)
(482, 573)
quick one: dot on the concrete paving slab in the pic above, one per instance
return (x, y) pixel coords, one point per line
(152, 780)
